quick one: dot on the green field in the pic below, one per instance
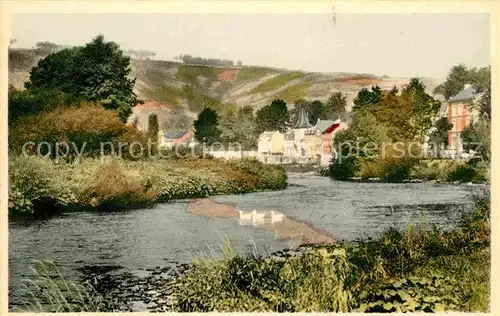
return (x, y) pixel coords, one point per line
(276, 82)
(168, 94)
(197, 101)
(293, 93)
(253, 73)
(189, 73)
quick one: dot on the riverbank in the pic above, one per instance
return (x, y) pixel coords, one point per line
(424, 170)
(418, 269)
(39, 187)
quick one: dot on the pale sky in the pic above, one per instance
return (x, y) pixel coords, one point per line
(396, 45)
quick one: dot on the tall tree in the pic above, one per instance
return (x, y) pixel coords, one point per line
(273, 117)
(153, 126)
(396, 112)
(477, 137)
(440, 134)
(455, 81)
(98, 72)
(317, 111)
(424, 106)
(207, 127)
(239, 128)
(336, 106)
(363, 139)
(367, 98)
(484, 87)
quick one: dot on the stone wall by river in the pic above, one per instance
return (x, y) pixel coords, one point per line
(167, 235)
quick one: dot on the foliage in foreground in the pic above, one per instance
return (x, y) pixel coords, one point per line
(313, 282)
(405, 271)
(37, 184)
(410, 271)
(47, 291)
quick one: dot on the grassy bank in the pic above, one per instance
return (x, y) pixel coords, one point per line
(38, 185)
(399, 170)
(419, 269)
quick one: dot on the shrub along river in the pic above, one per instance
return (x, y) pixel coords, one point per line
(148, 238)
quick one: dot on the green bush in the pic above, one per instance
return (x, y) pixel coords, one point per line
(413, 294)
(26, 103)
(344, 169)
(313, 282)
(437, 169)
(397, 172)
(34, 189)
(463, 173)
(112, 187)
(83, 128)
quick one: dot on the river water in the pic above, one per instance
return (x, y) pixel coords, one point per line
(148, 238)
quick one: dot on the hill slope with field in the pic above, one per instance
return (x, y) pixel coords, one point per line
(178, 91)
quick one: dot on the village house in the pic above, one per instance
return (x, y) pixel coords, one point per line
(290, 147)
(329, 130)
(171, 139)
(271, 143)
(303, 143)
(461, 114)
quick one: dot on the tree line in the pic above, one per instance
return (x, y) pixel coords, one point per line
(188, 59)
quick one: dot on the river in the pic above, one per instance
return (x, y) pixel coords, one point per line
(147, 238)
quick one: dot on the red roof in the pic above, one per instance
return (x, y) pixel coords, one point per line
(332, 128)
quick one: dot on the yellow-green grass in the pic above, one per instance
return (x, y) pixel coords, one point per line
(276, 82)
(197, 101)
(168, 94)
(189, 74)
(252, 73)
(295, 92)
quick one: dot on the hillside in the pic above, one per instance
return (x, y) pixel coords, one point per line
(180, 90)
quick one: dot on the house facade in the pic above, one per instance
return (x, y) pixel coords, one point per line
(303, 143)
(461, 114)
(271, 143)
(170, 139)
(327, 141)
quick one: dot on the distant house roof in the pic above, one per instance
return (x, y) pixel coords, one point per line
(303, 119)
(323, 125)
(175, 135)
(468, 93)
